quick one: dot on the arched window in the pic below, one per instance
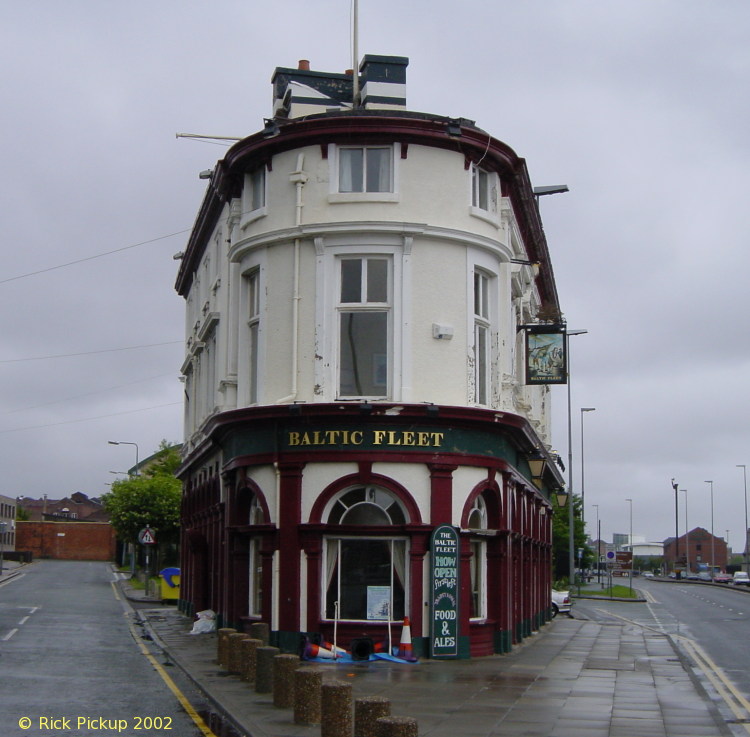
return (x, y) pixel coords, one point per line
(365, 575)
(477, 525)
(256, 516)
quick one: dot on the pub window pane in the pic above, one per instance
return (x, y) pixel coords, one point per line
(377, 280)
(363, 364)
(351, 169)
(351, 280)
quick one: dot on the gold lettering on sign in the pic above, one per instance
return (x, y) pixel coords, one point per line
(395, 438)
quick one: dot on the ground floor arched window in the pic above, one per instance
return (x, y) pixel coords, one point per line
(365, 576)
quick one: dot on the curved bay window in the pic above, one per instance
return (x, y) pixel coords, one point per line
(365, 576)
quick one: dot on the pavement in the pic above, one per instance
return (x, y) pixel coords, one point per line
(575, 678)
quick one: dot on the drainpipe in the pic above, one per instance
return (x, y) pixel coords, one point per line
(298, 178)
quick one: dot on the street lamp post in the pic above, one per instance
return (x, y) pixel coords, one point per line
(598, 546)
(571, 515)
(631, 544)
(744, 537)
(711, 483)
(583, 493)
(2, 544)
(676, 532)
(687, 538)
(126, 442)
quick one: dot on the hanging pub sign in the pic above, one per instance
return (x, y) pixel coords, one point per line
(546, 359)
(444, 549)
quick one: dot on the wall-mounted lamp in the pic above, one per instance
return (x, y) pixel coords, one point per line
(537, 463)
(561, 497)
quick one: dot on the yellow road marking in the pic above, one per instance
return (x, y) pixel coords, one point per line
(186, 705)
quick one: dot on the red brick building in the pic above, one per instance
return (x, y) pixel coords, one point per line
(700, 552)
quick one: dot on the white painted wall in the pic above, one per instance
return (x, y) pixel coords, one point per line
(433, 238)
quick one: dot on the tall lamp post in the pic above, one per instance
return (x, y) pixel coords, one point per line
(711, 483)
(631, 544)
(571, 516)
(744, 537)
(687, 538)
(598, 546)
(676, 532)
(2, 544)
(125, 442)
(583, 497)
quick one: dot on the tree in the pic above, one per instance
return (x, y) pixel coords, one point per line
(152, 499)
(561, 539)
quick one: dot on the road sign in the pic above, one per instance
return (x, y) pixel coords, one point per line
(146, 536)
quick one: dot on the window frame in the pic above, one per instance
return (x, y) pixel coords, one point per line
(482, 322)
(489, 191)
(364, 307)
(254, 333)
(252, 209)
(336, 196)
(336, 518)
(256, 516)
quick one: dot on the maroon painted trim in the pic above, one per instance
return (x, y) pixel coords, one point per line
(441, 493)
(491, 492)
(290, 510)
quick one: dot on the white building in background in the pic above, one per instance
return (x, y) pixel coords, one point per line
(356, 286)
(7, 523)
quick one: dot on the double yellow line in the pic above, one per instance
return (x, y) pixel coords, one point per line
(736, 702)
(186, 705)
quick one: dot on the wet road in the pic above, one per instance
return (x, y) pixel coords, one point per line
(71, 660)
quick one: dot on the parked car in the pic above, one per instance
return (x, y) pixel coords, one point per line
(741, 578)
(723, 578)
(561, 602)
(648, 574)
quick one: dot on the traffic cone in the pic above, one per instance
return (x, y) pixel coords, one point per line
(338, 651)
(316, 651)
(405, 651)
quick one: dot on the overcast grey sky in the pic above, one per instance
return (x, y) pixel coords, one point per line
(639, 106)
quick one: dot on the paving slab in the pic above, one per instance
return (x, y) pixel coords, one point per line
(546, 687)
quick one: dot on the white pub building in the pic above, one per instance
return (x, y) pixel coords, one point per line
(357, 284)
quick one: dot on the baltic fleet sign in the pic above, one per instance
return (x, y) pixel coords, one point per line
(369, 438)
(444, 559)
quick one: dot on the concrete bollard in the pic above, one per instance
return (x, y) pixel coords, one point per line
(336, 709)
(283, 680)
(260, 631)
(248, 659)
(397, 727)
(367, 711)
(234, 654)
(264, 668)
(307, 683)
(221, 645)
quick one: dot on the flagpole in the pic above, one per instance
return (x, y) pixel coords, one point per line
(355, 53)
